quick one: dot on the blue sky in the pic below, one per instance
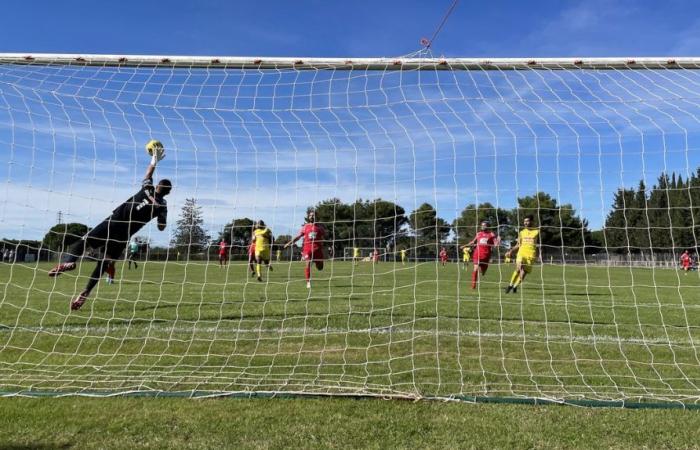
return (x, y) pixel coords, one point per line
(267, 146)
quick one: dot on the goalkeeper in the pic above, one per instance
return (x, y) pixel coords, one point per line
(113, 233)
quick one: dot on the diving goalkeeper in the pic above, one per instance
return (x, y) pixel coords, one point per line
(113, 233)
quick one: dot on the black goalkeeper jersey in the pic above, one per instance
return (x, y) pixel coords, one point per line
(140, 209)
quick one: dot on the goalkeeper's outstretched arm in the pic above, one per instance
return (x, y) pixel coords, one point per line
(157, 155)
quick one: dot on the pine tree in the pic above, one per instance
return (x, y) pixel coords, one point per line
(190, 237)
(614, 231)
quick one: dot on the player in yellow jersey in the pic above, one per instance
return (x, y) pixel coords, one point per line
(528, 240)
(355, 255)
(466, 255)
(263, 242)
(404, 256)
(278, 255)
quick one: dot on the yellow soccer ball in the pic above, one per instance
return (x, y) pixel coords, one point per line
(154, 147)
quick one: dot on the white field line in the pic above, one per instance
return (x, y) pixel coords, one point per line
(93, 331)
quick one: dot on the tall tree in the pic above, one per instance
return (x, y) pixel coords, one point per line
(282, 239)
(190, 236)
(429, 229)
(238, 234)
(364, 223)
(378, 223)
(658, 211)
(664, 218)
(63, 235)
(624, 216)
(561, 230)
(468, 223)
(338, 219)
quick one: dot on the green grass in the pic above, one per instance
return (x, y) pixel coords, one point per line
(390, 330)
(333, 423)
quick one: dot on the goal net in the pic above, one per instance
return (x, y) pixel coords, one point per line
(411, 157)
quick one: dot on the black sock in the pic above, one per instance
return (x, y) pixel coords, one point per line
(97, 272)
(74, 252)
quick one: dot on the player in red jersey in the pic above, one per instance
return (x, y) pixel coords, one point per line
(251, 257)
(223, 253)
(375, 256)
(443, 256)
(686, 262)
(483, 243)
(314, 235)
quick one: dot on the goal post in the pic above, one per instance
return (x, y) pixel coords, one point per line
(589, 166)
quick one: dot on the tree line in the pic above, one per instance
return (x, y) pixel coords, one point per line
(665, 217)
(661, 218)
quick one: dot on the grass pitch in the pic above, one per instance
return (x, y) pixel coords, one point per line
(417, 330)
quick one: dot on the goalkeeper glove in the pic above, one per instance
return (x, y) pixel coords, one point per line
(156, 150)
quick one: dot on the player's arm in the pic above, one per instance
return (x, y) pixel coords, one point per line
(468, 244)
(162, 217)
(296, 238)
(149, 172)
(514, 248)
(157, 154)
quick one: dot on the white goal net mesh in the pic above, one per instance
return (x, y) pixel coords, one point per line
(404, 158)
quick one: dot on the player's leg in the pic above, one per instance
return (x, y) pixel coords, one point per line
(113, 249)
(111, 272)
(265, 257)
(100, 268)
(475, 274)
(525, 267)
(483, 267)
(96, 238)
(267, 262)
(521, 278)
(318, 258)
(133, 258)
(307, 272)
(515, 277)
(258, 265)
(251, 264)
(70, 258)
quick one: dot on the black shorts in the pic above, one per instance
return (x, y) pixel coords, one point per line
(112, 236)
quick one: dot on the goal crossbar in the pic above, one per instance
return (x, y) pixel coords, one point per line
(399, 63)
